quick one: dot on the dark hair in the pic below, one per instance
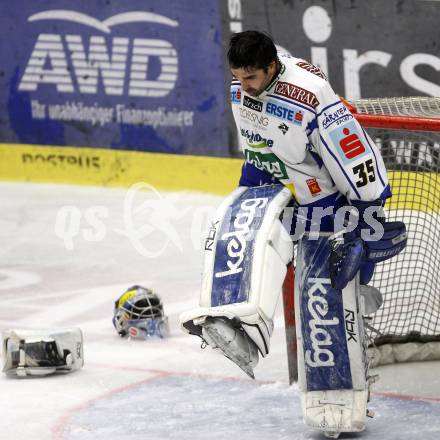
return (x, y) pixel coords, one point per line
(251, 49)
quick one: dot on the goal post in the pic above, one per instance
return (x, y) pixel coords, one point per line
(407, 132)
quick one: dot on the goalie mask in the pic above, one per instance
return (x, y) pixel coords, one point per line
(139, 314)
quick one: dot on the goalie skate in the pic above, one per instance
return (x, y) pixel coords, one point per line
(335, 411)
(232, 341)
(331, 434)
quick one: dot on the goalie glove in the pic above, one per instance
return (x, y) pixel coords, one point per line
(42, 352)
(372, 240)
(346, 256)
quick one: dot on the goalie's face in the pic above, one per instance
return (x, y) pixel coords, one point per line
(254, 81)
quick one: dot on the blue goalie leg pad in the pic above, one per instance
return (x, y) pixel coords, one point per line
(332, 358)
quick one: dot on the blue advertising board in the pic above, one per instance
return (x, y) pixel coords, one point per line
(134, 75)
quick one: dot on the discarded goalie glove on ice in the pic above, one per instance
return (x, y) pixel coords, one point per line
(42, 352)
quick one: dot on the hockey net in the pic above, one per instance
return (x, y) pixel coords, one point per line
(407, 131)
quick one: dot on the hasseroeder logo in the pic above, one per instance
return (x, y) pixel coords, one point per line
(237, 239)
(320, 355)
(73, 63)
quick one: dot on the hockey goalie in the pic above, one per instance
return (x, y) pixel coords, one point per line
(304, 152)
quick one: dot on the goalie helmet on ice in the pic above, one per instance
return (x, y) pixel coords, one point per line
(139, 314)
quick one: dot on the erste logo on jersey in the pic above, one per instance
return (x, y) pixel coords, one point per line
(296, 93)
(312, 69)
(253, 104)
(348, 142)
(292, 114)
(236, 95)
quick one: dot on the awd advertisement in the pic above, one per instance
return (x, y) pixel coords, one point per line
(134, 75)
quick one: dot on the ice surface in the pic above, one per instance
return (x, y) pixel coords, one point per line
(199, 408)
(157, 389)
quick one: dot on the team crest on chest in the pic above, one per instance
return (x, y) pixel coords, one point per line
(283, 127)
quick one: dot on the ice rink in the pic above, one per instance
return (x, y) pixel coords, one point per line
(67, 253)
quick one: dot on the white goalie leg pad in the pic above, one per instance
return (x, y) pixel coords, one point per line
(246, 255)
(332, 360)
(42, 352)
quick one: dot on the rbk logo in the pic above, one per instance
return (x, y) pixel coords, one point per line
(67, 69)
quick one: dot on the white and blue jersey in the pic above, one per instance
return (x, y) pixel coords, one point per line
(300, 133)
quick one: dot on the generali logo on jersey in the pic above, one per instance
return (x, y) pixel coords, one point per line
(296, 93)
(74, 63)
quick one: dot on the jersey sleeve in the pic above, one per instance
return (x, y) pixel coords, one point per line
(350, 155)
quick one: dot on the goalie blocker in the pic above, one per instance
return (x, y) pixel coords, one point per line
(42, 352)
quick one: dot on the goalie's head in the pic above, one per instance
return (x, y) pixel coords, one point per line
(139, 314)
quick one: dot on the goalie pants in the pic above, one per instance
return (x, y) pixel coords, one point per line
(252, 176)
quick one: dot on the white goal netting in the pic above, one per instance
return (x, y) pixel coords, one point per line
(407, 131)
